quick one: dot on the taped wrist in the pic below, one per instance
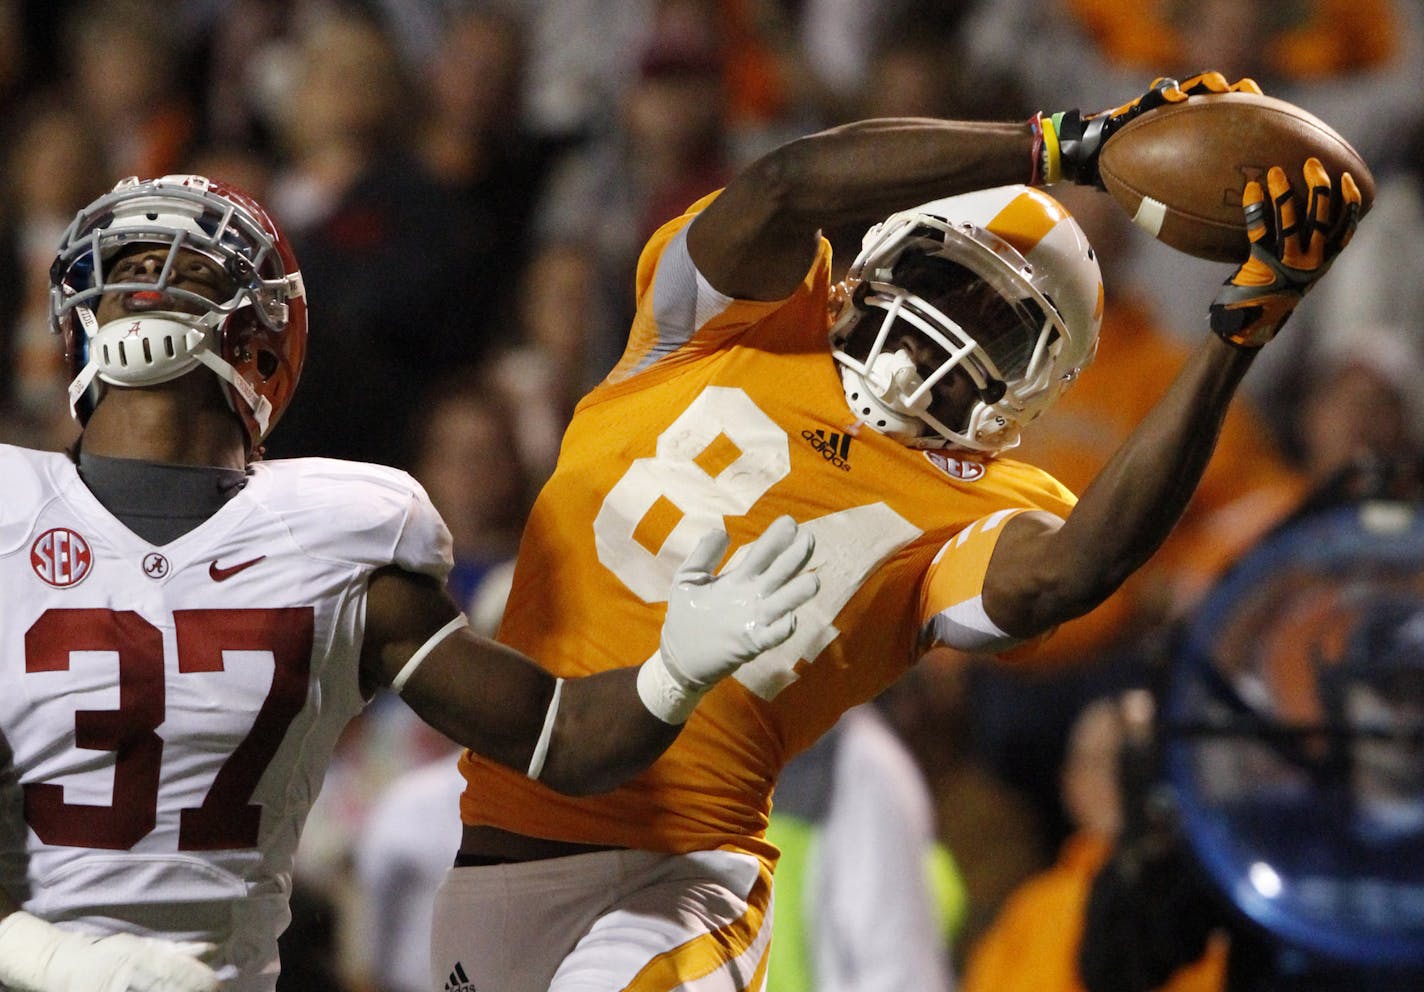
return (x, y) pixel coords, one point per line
(664, 693)
(27, 946)
(1078, 140)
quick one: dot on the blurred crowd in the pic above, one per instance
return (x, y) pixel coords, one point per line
(467, 184)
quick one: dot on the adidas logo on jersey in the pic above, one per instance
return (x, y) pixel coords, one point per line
(459, 981)
(834, 448)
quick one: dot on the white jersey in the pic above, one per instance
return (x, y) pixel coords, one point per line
(168, 712)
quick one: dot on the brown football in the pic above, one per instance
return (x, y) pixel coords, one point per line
(1179, 171)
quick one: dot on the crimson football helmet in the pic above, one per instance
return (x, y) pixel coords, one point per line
(255, 341)
(1000, 283)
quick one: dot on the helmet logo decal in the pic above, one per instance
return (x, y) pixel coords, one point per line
(61, 557)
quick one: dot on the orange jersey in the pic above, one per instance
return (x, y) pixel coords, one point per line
(729, 413)
(1018, 953)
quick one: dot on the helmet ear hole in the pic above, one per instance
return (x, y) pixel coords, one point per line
(267, 363)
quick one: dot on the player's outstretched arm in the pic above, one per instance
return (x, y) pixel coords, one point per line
(587, 734)
(758, 238)
(37, 956)
(1043, 574)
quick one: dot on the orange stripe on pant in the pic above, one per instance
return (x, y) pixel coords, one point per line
(722, 949)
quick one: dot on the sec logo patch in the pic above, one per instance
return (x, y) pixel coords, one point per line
(958, 468)
(61, 557)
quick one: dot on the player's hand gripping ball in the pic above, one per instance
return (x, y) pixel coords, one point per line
(1293, 241)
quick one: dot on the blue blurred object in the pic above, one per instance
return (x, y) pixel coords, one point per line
(1294, 736)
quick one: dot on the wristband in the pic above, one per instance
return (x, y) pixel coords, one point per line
(1052, 165)
(666, 696)
(1035, 176)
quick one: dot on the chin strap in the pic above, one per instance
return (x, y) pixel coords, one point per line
(260, 406)
(81, 382)
(181, 340)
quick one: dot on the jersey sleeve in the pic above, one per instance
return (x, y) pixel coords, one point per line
(680, 315)
(424, 544)
(25, 491)
(952, 594)
(370, 515)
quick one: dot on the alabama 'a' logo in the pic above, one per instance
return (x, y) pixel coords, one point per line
(61, 557)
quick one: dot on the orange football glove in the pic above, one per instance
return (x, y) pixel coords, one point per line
(1067, 144)
(1288, 253)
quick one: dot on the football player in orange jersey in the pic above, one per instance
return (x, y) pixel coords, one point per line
(188, 629)
(879, 414)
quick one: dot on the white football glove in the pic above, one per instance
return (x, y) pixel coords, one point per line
(36, 956)
(717, 623)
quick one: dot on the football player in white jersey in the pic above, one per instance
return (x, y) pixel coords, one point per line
(187, 629)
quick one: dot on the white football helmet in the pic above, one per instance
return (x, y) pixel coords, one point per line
(255, 341)
(1001, 283)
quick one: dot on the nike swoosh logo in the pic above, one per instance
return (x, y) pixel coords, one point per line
(223, 574)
